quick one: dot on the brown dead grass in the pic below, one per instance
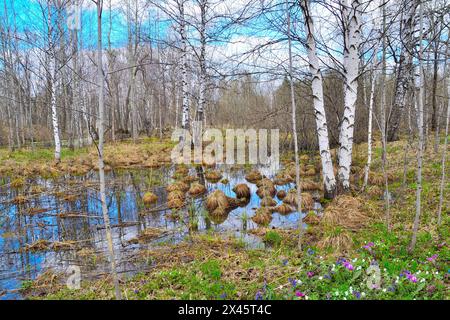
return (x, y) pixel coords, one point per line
(242, 191)
(197, 189)
(345, 211)
(149, 198)
(262, 216)
(253, 176)
(215, 200)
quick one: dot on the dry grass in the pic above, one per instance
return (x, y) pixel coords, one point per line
(262, 217)
(242, 191)
(253, 176)
(345, 211)
(189, 179)
(219, 215)
(215, 200)
(19, 200)
(340, 243)
(311, 218)
(63, 245)
(175, 199)
(266, 188)
(308, 185)
(307, 199)
(268, 202)
(282, 179)
(17, 183)
(175, 204)
(281, 194)
(197, 189)
(213, 176)
(178, 186)
(284, 209)
(38, 246)
(149, 198)
(147, 235)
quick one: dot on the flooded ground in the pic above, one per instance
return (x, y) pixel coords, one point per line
(53, 224)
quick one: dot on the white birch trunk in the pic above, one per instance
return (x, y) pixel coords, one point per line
(101, 164)
(420, 125)
(184, 67)
(351, 67)
(328, 176)
(55, 122)
(294, 132)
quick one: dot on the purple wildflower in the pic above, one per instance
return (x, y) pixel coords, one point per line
(293, 282)
(432, 258)
(310, 251)
(285, 262)
(357, 294)
(259, 295)
(299, 294)
(348, 266)
(411, 277)
(310, 274)
(368, 246)
(223, 295)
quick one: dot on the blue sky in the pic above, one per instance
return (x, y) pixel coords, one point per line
(29, 17)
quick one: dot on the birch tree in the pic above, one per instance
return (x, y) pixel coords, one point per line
(52, 76)
(328, 176)
(101, 163)
(404, 68)
(369, 123)
(352, 23)
(294, 130)
(420, 125)
(184, 67)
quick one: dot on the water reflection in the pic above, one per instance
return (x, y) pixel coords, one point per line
(67, 211)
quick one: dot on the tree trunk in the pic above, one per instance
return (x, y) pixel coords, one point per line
(352, 34)
(421, 139)
(329, 179)
(404, 69)
(184, 66)
(101, 164)
(294, 132)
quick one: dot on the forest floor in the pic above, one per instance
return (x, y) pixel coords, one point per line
(341, 258)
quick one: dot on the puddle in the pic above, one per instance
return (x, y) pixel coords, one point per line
(63, 217)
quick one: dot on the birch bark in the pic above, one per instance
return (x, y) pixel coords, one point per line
(329, 179)
(352, 32)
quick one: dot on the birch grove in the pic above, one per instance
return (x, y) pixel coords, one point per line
(347, 83)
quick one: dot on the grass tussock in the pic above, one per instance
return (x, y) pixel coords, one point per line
(197, 189)
(262, 216)
(253, 176)
(149, 198)
(215, 200)
(242, 191)
(345, 211)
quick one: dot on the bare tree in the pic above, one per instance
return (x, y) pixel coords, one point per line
(101, 163)
(420, 125)
(404, 68)
(294, 130)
